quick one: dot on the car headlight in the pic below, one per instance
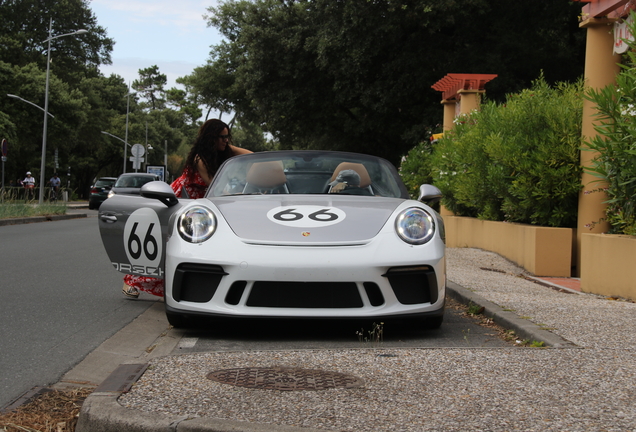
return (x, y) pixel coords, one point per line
(196, 224)
(111, 193)
(415, 226)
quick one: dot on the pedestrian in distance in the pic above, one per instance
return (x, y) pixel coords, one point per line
(55, 186)
(29, 186)
(212, 146)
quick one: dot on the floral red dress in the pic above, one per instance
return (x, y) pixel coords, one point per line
(194, 187)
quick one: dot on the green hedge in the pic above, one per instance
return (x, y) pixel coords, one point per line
(516, 162)
(615, 164)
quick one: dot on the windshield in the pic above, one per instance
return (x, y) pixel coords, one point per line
(133, 181)
(104, 183)
(307, 172)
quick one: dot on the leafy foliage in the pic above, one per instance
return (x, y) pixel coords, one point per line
(516, 162)
(83, 102)
(415, 167)
(150, 86)
(615, 144)
(357, 75)
(342, 75)
(24, 28)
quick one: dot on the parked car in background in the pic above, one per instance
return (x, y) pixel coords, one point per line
(289, 234)
(99, 191)
(131, 183)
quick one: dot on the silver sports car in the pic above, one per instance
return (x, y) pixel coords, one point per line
(302, 234)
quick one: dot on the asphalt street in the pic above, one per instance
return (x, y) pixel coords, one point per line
(60, 300)
(457, 331)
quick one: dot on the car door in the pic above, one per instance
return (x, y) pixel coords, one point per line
(134, 231)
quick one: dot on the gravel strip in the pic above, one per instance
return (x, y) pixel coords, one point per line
(452, 389)
(588, 320)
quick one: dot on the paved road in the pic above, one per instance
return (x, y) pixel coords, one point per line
(457, 331)
(59, 301)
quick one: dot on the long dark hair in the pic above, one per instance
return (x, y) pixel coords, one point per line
(204, 147)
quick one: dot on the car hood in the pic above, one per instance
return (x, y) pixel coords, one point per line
(306, 219)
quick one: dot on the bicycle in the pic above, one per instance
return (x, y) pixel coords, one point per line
(53, 195)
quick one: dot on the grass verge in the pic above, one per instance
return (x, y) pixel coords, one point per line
(27, 210)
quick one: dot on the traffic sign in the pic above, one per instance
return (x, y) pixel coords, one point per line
(5, 147)
(137, 150)
(136, 162)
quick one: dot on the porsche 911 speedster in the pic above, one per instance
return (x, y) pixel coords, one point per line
(296, 234)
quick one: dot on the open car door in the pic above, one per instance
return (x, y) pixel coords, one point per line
(134, 229)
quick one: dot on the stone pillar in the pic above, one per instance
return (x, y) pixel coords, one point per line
(469, 100)
(449, 114)
(601, 68)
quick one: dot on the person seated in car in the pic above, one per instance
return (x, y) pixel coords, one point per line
(345, 181)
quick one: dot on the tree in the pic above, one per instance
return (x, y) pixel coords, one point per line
(74, 129)
(24, 26)
(178, 100)
(211, 86)
(150, 86)
(357, 75)
(251, 136)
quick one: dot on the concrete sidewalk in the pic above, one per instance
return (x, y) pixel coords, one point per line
(149, 338)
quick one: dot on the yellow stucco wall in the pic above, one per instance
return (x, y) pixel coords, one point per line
(608, 265)
(543, 251)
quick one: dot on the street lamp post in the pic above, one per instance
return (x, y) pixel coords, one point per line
(126, 145)
(127, 112)
(46, 100)
(30, 103)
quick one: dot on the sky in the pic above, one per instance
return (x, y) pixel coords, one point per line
(170, 34)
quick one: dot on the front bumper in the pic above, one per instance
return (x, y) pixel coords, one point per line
(384, 278)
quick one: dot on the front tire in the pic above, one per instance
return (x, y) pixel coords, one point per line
(434, 323)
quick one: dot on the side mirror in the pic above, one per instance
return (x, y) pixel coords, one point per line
(429, 194)
(161, 191)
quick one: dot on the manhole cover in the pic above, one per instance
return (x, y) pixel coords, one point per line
(285, 378)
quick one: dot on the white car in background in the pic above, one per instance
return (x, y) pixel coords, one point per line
(302, 234)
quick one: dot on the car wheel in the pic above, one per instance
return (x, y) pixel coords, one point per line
(91, 206)
(434, 323)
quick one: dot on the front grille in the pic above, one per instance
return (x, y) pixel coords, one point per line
(310, 295)
(413, 285)
(234, 294)
(374, 293)
(196, 282)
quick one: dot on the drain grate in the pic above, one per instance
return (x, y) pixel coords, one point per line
(285, 378)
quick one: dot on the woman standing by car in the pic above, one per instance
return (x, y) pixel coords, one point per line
(211, 148)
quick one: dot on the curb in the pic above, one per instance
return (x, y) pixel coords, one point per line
(34, 219)
(524, 328)
(102, 413)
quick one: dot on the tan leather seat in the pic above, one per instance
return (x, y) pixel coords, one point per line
(365, 180)
(336, 185)
(266, 177)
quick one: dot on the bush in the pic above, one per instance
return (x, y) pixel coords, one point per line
(516, 162)
(615, 164)
(415, 169)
